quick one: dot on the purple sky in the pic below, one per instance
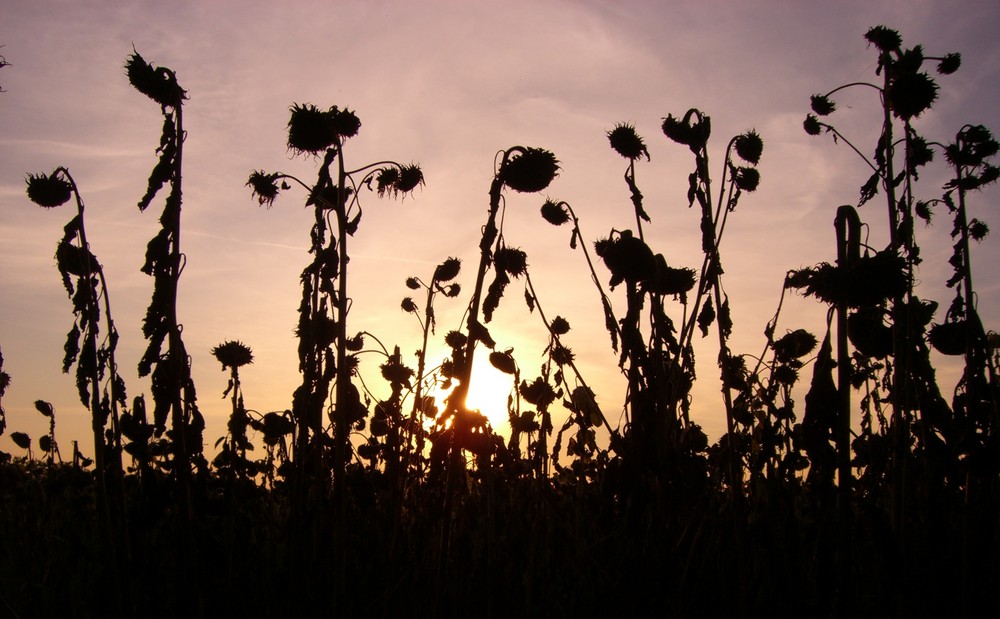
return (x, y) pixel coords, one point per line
(445, 84)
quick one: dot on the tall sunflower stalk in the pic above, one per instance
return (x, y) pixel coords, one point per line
(325, 351)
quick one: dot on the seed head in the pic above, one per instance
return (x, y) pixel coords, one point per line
(447, 270)
(627, 142)
(233, 354)
(264, 186)
(749, 147)
(949, 64)
(812, 125)
(746, 179)
(529, 170)
(503, 361)
(822, 105)
(511, 261)
(885, 39)
(555, 213)
(309, 129)
(159, 84)
(559, 326)
(48, 190)
(910, 94)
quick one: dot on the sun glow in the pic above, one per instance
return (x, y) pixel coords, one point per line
(489, 391)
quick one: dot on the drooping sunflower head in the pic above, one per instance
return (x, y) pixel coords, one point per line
(627, 142)
(885, 39)
(555, 213)
(310, 129)
(48, 190)
(264, 186)
(159, 84)
(749, 146)
(529, 170)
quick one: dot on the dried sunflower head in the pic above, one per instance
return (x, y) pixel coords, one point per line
(310, 129)
(749, 146)
(233, 354)
(264, 186)
(949, 64)
(812, 125)
(746, 178)
(344, 123)
(447, 270)
(911, 94)
(529, 170)
(48, 190)
(885, 39)
(159, 84)
(627, 142)
(503, 361)
(559, 326)
(555, 213)
(822, 105)
(511, 261)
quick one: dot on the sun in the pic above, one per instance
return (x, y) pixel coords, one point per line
(489, 389)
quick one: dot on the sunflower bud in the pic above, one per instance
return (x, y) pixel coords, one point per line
(412, 283)
(408, 305)
(503, 361)
(627, 142)
(48, 190)
(555, 213)
(529, 170)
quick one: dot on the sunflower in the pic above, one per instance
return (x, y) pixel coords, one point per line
(529, 169)
(48, 190)
(233, 354)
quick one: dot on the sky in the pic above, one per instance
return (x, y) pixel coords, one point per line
(446, 84)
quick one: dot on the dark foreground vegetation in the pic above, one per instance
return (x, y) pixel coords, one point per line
(878, 496)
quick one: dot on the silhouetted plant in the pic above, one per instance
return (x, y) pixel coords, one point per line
(233, 355)
(48, 443)
(4, 383)
(323, 311)
(172, 388)
(101, 388)
(525, 170)
(424, 405)
(3, 63)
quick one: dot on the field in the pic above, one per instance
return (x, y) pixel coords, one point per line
(411, 504)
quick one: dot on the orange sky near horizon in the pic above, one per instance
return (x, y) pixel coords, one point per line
(446, 85)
